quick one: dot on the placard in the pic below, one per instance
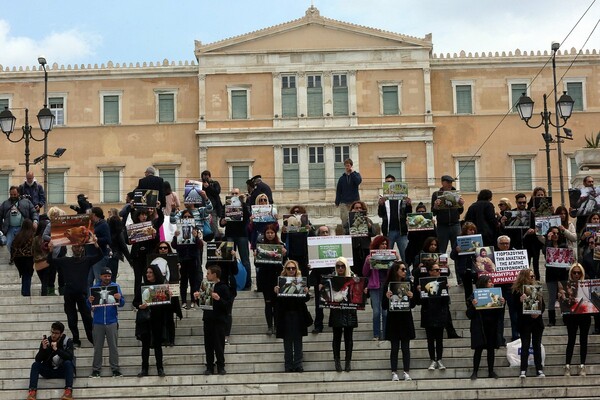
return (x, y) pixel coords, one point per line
(420, 222)
(263, 213)
(291, 286)
(484, 260)
(155, 295)
(219, 251)
(192, 194)
(145, 198)
(596, 255)
(399, 300)
(448, 200)
(205, 300)
(469, 243)
(543, 224)
(593, 228)
(508, 265)
(68, 230)
(186, 228)
(234, 210)
(434, 286)
(382, 259)
(579, 297)
(341, 292)
(517, 219)
(584, 201)
(532, 304)
(488, 298)
(428, 259)
(559, 257)
(296, 223)
(543, 206)
(269, 253)
(324, 250)
(104, 296)
(395, 190)
(358, 223)
(140, 232)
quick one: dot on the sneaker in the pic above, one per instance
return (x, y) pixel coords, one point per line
(316, 331)
(68, 394)
(582, 370)
(32, 394)
(376, 338)
(395, 377)
(226, 340)
(567, 370)
(95, 374)
(433, 366)
(222, 372)
(184, 306)
(540, 374)
(406, 376)
(117, 373)
(441, 366)
(523, 375)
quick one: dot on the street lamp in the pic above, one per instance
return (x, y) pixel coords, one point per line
(45, 119)
(563, 108)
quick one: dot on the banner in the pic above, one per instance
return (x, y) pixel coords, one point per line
(296, 223)
(324, 250)
(205, 300)
(484, 260)
(186, 228)
(543, 224)
(508, 265)
(428, 259)
(166, 262)
(263, 213)
(192, 194)
(449, 199)
(68, 230)
(346, 293)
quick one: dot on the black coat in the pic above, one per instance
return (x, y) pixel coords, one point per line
(435, 311)
(484, 326)
(291, 312)
(339, 318)
(155, 183)
(399, 324)
(482, 214)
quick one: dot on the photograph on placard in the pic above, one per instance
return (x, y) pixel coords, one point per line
(145, 198)
(469, 243)
(68, 230)
(484, 259)
(104, 296)
(154, 295)
(140, 232)
(291, 286)
(343, 292)
(532, 304)
(395, 190)
(399, 300)
(433, 286)
(517, 219)
(488, 298)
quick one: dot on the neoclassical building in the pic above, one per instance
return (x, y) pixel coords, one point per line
(292, 101)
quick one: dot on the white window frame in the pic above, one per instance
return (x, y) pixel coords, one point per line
(248, 89)
(110, 168)
(9, 97)
(9, 173)
(583, 90)
(520, 81)
(570, 173)
(397, 158)
(239, 163)
(104, 93)
(475, 160)
(158, 92)
(381, 84)
(515, 157)
(470, 83)
(174, 166)
(64, 97)
(65, 172)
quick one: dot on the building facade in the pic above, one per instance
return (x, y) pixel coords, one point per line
(291, 102)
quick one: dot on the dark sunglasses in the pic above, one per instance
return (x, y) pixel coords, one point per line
(290, 268)
(163, 248)
(340, 266)
(403, 269)
(436, 269)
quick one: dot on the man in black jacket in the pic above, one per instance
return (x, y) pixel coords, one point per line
(448, 219)
(213, 191)
(393, 220)
(55, 359)
(153, 182)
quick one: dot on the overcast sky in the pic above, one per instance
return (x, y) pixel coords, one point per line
(83, 32)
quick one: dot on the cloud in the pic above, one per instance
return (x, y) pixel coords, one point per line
(58, 47)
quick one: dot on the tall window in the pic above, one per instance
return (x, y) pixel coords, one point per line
(314, 96)
(289, 100)
(4, 182)
(111, 109)
(393, 168)
(239, 175)
(340, 94)
(463, 102)
(467, 179)
(57, 107)
(573, 169)
(575, 90)
(111, 186)
(316, 167)
(389, 100)
(56, 187)
(291, 170)
(341, 153)
(169, 175)
(516, 90)
(239, 103)
(166, 107)
(4, 103)
(523, 174)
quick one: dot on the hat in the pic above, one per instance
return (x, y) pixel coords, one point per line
(106, 271)
(447, 178)
(81, 196)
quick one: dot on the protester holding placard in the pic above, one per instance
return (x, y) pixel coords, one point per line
(314, 280)
(417, 238)
(435, 312)
(399, 326)
(573, 322)
(149, 323)
(360, 244)
(293, 320)
(566, 227)
(377, 287)
(190, 269)
(393, 213)
(295, 236)
(484, 329)
(554, 239)
(163, 249)
(237, 232)
(482, 214)
(585, 234)
(342, 321)
(464, 263)
(531, 326)
(263, 214)
(267, 273)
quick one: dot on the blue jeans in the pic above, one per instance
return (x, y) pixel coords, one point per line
(376, 296)
(65, 370)
(241, 244)
(10, 235)
(395, 237)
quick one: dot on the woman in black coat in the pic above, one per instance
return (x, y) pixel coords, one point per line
(291, 321)
(484, 329)
(399, 328)
(483, 215)
(150, 332)
(342, 321)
